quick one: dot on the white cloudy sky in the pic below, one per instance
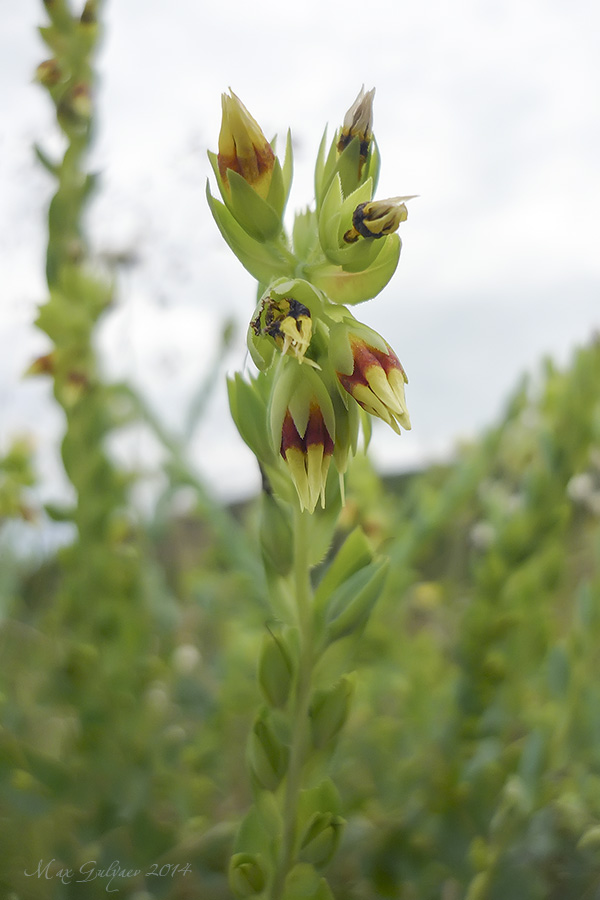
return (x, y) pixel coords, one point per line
(489, 111)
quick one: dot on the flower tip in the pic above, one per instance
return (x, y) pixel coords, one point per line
(358, 122)
(243, 148)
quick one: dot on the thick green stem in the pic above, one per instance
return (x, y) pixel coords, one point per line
(300, 729)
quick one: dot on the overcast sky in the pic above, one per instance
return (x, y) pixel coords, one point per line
(489, 111)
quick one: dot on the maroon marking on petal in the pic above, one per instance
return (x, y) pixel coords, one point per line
(316, 431)
(365, 356)
(289, 436)
(265, 158)
(228, 162)
(364, 359)
(349, 382)
(387, 361)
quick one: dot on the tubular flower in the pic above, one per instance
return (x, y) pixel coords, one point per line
(358, 122)
(377, 383)
(377, 218)
(288, 322)
(243, 147)
(307, 455)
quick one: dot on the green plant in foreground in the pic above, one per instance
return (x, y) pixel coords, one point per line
(321, 372)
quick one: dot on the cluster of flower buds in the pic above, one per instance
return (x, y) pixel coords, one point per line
(320, 370)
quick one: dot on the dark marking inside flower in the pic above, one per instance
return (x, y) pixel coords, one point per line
(316, 431)
(273, 312)
(290, 437)
(358, 221)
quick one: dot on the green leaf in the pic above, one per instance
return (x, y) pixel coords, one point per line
(329, 711)
(253, 213)
(354, 554)
(350, 605)
(249, 413)
(263, 262)
(275, 669)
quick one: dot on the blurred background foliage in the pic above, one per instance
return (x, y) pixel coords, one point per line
(470, 767)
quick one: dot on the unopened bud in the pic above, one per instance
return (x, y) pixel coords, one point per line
(358, 122)
(247, 876)
(243, 148)
(321, 838)
(48, 73)
(268, 756)
(329, 711)
(275, 670)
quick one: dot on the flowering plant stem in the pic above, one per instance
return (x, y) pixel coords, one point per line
(321, 374)
(300, 712)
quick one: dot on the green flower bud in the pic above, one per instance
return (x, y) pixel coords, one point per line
(358, 123)
(352, 154)
(243, 148)
(268, 757)
(49, 73)
(329, 711)
(321, 839)
(252, 182)
(247, 874)
(275, 670)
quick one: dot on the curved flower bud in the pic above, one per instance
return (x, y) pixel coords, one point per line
(358, 122)
(377, 382)
(243, 148)
(352, 154)
(377, 218)
(247, 874)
